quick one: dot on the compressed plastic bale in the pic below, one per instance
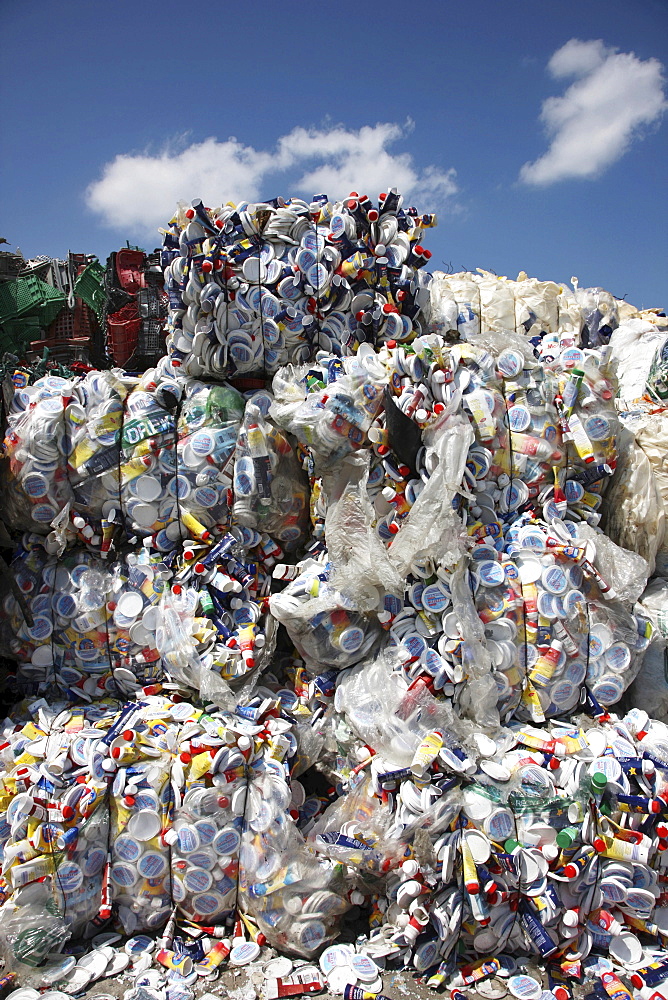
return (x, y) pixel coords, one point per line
(120, 453)
(484, 410)
(464, 288)
(374, 845)
(175, 464)
(82, 612)
(536, 306)
(282, 882)
(497, 302)
(98, 628)
(506, 813)
(47, 422)
(256, 286)
(634, 345)
(217, 635)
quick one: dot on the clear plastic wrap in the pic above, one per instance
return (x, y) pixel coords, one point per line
(32, 929)
(634, 515)
(325, 631)
(174, 636)
(332, 421)
(444, 308)
(270, 489)
(386, 712)
(363, 570)
(356, 830)
(624, 571)
(600, 315)
(295, 897)
(431, 528)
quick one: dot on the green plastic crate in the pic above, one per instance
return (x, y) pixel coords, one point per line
(89, 286)
(16, 334)
(27, 295)
(47, 312)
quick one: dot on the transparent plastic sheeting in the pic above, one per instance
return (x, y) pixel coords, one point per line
(430, 737)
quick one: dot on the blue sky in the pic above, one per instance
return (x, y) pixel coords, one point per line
(536, 130)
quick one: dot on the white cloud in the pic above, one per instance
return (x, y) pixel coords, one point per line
(139, 192)
(594, 122)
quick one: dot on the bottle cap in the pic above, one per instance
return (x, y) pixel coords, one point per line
(599, 782)
(567, 837)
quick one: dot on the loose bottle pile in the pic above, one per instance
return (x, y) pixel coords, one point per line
(317, 630)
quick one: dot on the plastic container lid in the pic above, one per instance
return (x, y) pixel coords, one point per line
(243, 953)
(365, 968)
(499, 825)
(340, 977)
(524, 987)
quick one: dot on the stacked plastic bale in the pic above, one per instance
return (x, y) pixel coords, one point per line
(438, 745)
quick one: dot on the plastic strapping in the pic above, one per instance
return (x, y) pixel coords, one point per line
(259, 288)
(177, 416)
(121, 509)
(525, 658)
(243, 831)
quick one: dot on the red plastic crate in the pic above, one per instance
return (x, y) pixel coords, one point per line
(128, 268)
(77, 322)
(122, 334)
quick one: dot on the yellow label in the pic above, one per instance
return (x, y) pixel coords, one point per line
(468, 864)
(200, 765)
(531, 701)
(26, 760)
(31, 732)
